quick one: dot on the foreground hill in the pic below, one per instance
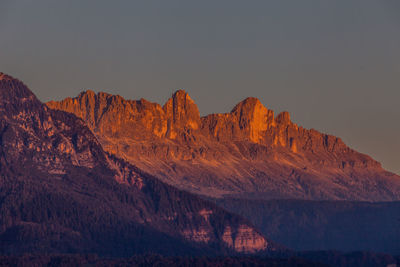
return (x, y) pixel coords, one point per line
(247, 152)
(156, 260)
(61, 193)
(302, 259)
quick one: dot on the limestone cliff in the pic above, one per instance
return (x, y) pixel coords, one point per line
(248, 151)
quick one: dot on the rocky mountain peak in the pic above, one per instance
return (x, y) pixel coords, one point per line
(5, 77)
(89, 92)
(248, 101)
(251, 108)
(87, 95)
(254, 118)
(14, 87)
(15, 95)
(181, 106)
(181, 113)
(180, 93)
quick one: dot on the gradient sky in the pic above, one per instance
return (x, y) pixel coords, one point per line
(334, 65)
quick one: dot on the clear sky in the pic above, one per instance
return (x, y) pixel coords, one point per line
(334, 65)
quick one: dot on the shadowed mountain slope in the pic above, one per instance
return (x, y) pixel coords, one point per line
(61, 193)
(247, 152)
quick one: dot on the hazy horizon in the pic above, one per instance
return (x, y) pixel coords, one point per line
(334, 66)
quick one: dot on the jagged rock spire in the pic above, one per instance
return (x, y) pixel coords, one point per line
(181, 113)
(253, 117)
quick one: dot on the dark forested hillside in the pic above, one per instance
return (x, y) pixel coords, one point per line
(42, 216)
(155, 260)
(324, 225)
(309, 259)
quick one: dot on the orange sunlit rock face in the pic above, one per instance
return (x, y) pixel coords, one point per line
(246, 151)
(181, 113)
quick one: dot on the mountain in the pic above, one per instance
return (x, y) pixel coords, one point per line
(60, 192)
(248, 152)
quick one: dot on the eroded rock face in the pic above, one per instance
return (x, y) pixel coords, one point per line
(31, 132)
(181, 113)
(244, 240)
(54, 150)
(247, 151)
(253, 119)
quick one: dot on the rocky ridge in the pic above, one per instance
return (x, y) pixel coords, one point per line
(51, 166)
(248, 151)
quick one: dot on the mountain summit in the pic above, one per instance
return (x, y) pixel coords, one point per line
(246, 152)
(181, 114)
